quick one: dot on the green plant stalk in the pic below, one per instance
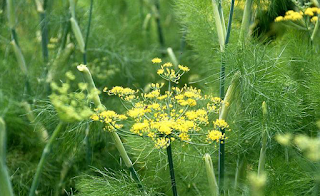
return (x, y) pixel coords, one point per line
(171, 168)
(91, 85)
(245, 21)
(315, 30)
(218, 25)
(60, 60)
(222, 18)
(114, 135)
(5, 183)
(222, 116)
(40, 129)
(159, 27)
(20, 57)
(263, 150)
(173, 57)
(44, 158)
(72, 8)
(77, 33)
(11, 14)
(44, 30)
(126, 159)
(212, 182)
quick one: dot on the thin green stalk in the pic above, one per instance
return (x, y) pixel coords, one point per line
(5, 183)
(159, 27)
(222, 18)
(245, 21)
(171, 168)
(219, 26)
(114, 135)
(315, 30)
(44, 157)
(173, 57)
(263, 150)
(212, 182)
(40, 129)
(88, 33)
(222, 116)
(44, 30)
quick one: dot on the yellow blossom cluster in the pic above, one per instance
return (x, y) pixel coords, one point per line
(168, 115)
(109, 118)
(167, 72)
(214, 136)
(296, 16)
(124, 93)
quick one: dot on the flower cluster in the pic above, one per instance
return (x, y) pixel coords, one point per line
(72, 106)
(297, 16)
(167, 115)
(109, 118)
(167, 72)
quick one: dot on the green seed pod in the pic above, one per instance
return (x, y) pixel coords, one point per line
(77, 33)
(11, 14)
(210, 174)
(20, 58)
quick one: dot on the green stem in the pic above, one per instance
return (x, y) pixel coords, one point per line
(114, 135)
(44, 158)
(5, 183)
(315, 30)
(159, 28)
(245, 21)
(171, 168)
(211, 176)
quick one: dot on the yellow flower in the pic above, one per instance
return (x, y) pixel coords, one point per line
(156, 60)
(308, 12)
(214, 135)
(279, 19)
(160, 71)
(162, 143)
(314, 19)
(183, 68)
(219, 123)
(167, 64)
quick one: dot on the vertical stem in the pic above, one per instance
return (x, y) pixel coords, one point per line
(159, 28)
(88, 33)
(245, 21)
(221, 163)
(44, 36)
(221, 168)
(5, 183)
(126, 159)
(210, 174)
(173, 180)
(44, 158)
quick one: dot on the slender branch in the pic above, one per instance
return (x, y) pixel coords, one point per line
(5, 183)
(172, 177)
(44, 157)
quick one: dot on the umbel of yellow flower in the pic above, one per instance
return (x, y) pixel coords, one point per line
(166, 115)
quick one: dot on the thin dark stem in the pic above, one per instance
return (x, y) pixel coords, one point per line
(173, 179)
(87, 35)
(221, 163)
(221, 167)
(136, 178)
(160, 33)
(44, 36)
